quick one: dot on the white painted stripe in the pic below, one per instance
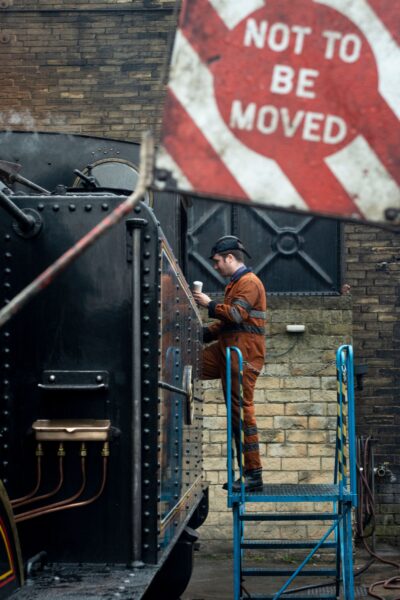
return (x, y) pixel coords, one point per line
(165, 161)
(365, 179)
(384, 47)
(234, 11)
(260, 177)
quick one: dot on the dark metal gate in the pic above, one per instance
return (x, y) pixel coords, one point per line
(290, 253)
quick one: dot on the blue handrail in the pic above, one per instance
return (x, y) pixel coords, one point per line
(229, 418)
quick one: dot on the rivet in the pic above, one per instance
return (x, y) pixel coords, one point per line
(52, 378)
(137, 209)
(7, 237)
(40, 206)
(147, 237)
(8, 255)
(56, 207)
(99, 378)
(88, 207)
(72, 207)
(104, 206)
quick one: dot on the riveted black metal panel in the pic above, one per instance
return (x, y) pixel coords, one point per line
(49, 160)
(290, 253)
(69, 355)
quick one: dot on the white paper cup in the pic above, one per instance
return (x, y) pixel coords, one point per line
(197, 286)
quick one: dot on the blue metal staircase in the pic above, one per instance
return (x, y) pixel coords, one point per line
(341, 493)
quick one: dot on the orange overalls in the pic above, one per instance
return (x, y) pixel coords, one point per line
(241, 320)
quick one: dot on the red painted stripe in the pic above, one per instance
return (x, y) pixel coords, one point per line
(191, 151)
(10, 553)
(319, 188)
(204, 29)
(7, 581)
(388, 11)
(8, 543)
(381, 130)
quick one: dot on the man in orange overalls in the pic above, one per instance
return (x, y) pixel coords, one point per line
(240, 322)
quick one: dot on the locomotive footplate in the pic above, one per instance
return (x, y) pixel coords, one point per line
(93, 582)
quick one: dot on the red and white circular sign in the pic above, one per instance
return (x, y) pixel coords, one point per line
(288, 103)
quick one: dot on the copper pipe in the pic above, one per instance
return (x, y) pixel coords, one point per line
(37, 511)
(49, 494)
(55, 508)
(17, 501)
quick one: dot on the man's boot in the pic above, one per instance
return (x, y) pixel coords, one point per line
(252, 482)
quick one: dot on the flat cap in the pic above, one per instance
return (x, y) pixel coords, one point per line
(227, 243)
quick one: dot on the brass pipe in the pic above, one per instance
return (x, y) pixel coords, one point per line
(39, 454)
(37, 511)
(49, 494)
(73, 505)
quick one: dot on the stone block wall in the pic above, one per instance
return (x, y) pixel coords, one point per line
(296, 411)
(372, 263)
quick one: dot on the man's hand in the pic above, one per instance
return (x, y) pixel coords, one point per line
(201, 299)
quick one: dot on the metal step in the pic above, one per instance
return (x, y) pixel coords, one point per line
(289, 517)
(283, 544)
(287, 597)
(293, 492)
(260, 572)
(326, 592)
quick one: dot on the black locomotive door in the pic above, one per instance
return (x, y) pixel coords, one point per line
(290, 253)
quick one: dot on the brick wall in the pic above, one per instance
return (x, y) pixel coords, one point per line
(373, 271)
(296, 411)
(96, 67)
(84, 67)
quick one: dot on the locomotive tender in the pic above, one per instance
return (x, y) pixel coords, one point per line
(101, 424)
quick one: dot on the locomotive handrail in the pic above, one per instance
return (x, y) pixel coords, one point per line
(10, 172)
(24, 220)
(44, 279)
(77, 387)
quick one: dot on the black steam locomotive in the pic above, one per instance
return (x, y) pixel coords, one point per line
(101, 413)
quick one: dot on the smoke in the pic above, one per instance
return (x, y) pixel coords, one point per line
(21, 119)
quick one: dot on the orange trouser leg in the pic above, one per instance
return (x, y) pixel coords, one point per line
(214, 367)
